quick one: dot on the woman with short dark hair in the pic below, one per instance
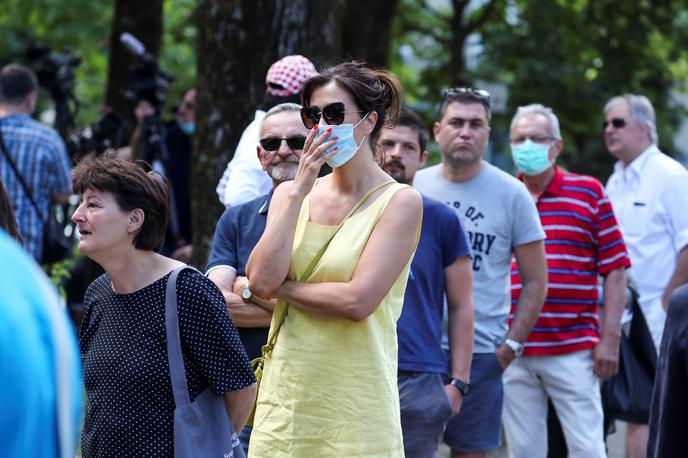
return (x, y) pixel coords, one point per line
(121, 220)
(329, 383)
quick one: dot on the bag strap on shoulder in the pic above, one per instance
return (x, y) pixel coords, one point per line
(180, 389)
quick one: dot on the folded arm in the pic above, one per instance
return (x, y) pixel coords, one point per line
(385, 255)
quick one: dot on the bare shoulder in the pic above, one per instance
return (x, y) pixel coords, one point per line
(406, 200)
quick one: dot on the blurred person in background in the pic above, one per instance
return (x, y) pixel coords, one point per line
(40, 372)
(38, 153)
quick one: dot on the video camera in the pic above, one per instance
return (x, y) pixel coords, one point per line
(146, 81)
(106, 133)
(56, 74)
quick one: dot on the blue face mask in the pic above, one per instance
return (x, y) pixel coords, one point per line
(531, 158)
(187, 127)
(345, 142)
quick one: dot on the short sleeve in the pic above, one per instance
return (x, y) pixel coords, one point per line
(611, 249)
(223, 251)
(526, 226)
(674, 198)
(453, 236)
(209, 339)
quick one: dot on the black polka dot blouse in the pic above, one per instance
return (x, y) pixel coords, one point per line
(129, 406)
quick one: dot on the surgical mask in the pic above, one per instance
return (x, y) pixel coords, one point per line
(531, 158)
(188, 127)
(345, 142)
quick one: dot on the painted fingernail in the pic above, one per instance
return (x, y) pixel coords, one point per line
(329, 130)
(315, 127)
(335, 138)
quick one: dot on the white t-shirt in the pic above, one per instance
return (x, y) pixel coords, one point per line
(244, 179)
(650, 201)
(498, 214)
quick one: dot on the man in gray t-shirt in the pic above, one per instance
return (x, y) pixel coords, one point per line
(501, 219)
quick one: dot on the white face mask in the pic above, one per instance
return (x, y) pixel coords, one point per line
(345, 142)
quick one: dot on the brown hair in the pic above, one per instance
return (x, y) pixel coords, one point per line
(372, 90)
(132, 188)
(7, 221)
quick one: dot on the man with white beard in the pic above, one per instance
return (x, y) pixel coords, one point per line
(282, 135)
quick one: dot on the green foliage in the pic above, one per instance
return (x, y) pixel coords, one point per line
(571, 55)
(84, 27)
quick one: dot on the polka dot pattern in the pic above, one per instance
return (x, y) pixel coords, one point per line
(129, 408)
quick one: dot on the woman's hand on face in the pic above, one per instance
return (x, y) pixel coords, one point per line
(312, 158)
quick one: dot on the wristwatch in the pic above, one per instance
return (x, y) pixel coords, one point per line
(460, 385)
(517, 347)
(246, 293)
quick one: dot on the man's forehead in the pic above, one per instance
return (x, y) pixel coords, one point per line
(286, 121)
(468, 111)
(619, 109)
(533, 122)
(399, 134)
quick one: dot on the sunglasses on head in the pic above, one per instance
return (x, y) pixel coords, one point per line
(618, 123)
(273, 143)
(333, 114)
(481, 94)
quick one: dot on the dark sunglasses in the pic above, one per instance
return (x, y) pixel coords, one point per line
(273, 143)
(333, 114)
(481, 94)
(618, 123)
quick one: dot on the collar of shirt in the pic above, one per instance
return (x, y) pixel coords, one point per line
(630, 175)
(554, 186)
(266, 203)
(16, 116)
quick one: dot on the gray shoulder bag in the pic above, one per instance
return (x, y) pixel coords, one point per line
(201, 427)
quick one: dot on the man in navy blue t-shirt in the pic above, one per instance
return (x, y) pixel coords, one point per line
(430, 390)
(282, 135)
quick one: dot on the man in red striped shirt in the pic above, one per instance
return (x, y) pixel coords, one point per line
(566, 354)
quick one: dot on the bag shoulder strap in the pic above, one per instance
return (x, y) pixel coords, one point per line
(180, 389)
(309, 270)
(14, 168)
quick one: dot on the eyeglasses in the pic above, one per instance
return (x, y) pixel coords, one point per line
(618, 123)
(481, 94)
(332, 113)
(273, 143)
(538, 139)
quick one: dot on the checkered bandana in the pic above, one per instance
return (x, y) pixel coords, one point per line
(290, 72)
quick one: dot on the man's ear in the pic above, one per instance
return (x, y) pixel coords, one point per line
(263, 157)
(136, 218)
(436, 129)
(31, 101)
(423, 158)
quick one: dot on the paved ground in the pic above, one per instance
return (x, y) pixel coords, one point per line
(615, 442)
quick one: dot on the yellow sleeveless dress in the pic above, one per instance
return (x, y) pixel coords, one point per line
(329, 387)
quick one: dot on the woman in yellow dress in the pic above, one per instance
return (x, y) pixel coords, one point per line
(329, 386)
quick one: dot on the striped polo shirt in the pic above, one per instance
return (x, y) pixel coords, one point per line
(583, 240)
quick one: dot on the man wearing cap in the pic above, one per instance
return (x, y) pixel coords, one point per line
(282, 135)
(244, 179)
(567, 353)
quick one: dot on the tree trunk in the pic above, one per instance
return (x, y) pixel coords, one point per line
(144, 20)
(237, 42)
(367, 30)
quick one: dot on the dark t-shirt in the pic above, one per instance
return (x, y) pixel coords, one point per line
(130, 406)
(236, 234)
(669, 409)
(442, 242)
